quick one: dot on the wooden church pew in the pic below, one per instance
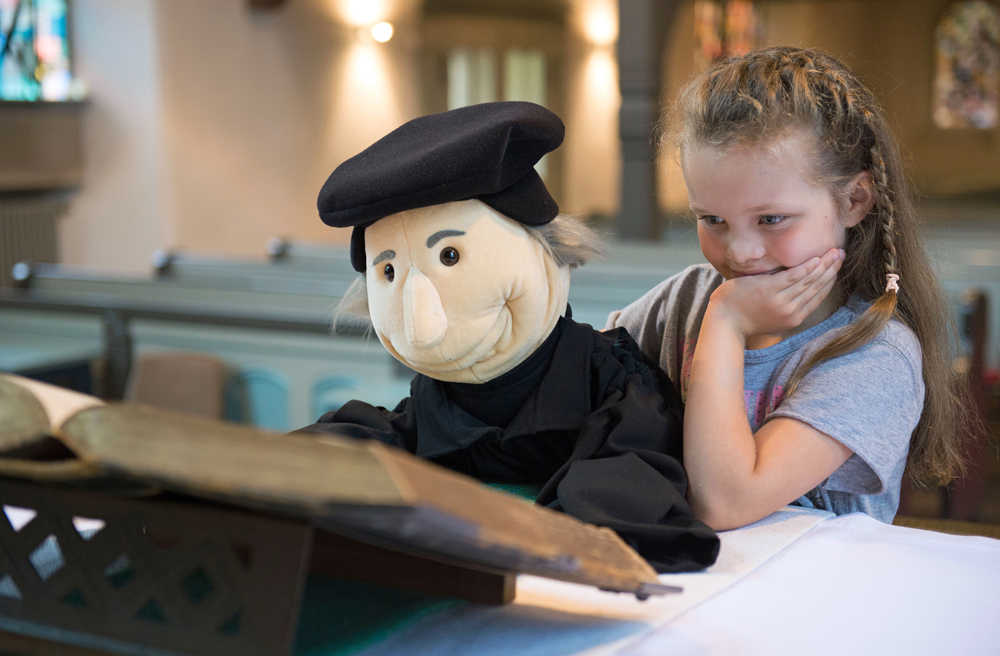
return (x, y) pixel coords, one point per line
(287, 368)
(246, 307)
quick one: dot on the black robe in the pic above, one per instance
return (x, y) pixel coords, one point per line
(601, 432)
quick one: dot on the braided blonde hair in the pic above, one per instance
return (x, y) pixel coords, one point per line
(769, 93)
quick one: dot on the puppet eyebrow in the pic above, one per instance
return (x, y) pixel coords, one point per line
(383, 256)
(441, 234)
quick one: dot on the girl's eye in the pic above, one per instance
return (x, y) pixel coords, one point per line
(710, 220)
(390, 273)
(449, 256)
(772, 219)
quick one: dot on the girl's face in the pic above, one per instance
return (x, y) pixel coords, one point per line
(757, 211)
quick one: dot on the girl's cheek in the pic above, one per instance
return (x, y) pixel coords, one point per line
(711, 247)
(794, 248)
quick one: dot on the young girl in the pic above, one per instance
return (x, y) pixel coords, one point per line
(813, 353)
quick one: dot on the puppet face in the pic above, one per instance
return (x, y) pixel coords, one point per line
(459, 292)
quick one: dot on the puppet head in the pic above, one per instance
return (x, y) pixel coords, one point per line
(461, 283)
(460, 292)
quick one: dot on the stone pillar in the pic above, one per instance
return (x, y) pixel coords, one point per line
(642, 28)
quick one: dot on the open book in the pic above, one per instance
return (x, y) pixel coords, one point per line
(363, 490)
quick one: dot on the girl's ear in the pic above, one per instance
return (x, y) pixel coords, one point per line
(859, 197)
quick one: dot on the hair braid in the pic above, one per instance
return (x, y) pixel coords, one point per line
(885, 204)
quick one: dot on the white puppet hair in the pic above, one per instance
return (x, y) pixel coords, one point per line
(352, 310)
(568, 240)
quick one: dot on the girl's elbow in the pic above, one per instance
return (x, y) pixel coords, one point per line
(720, 515)
(725, 512)
(722, 522)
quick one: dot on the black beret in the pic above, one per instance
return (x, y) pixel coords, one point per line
(485, 151)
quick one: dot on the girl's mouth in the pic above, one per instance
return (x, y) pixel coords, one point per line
(744, 274)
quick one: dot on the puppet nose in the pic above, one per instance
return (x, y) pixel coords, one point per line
(423, 315)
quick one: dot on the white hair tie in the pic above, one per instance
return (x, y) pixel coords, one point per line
(890, 282)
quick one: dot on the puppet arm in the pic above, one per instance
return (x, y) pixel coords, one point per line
(623, 473)
(360, 420)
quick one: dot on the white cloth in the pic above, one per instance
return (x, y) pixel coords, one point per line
(797, 582)
(553, 617)
(852, 586)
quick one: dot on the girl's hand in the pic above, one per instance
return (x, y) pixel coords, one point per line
(774, 303)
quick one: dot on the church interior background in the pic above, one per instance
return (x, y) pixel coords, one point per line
(160, 160)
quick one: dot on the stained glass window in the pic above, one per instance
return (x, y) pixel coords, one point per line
(34, 50)
(725, 29)
(967, 72)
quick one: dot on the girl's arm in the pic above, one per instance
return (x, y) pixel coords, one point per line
(737, 477)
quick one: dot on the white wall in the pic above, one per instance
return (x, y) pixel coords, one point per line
(121, 214)
(259, 108)
(212, 127)
(592, 150)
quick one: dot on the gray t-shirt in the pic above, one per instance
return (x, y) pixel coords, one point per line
(869, 400)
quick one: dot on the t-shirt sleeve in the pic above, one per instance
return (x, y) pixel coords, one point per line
(869, 400)
(665, 321)
(644, 319)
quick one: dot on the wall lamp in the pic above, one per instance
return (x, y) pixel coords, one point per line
(380, 32)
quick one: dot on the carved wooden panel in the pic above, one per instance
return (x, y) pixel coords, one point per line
(128, 574)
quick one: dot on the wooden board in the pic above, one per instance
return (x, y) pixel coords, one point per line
(363, 490)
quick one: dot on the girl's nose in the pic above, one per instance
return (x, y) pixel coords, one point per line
(424, 319)
(743, 249)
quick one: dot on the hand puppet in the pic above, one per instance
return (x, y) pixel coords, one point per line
(465, 265)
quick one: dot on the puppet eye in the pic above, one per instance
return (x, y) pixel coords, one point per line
(390, 273)
(449, 256)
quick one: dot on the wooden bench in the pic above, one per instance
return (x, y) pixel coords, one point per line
(286, 367)
(268, 318)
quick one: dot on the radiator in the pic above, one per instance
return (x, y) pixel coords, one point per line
(27, 231)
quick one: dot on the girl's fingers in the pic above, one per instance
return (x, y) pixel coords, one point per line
(821, 291)
(814, 267)
(815, 285)
(800, 274)
(790, 283)
(817, 274)
(822, 275)
(807, 274)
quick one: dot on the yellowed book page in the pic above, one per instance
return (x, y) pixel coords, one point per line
(23, 420)
(59, 403)
(230, 461)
